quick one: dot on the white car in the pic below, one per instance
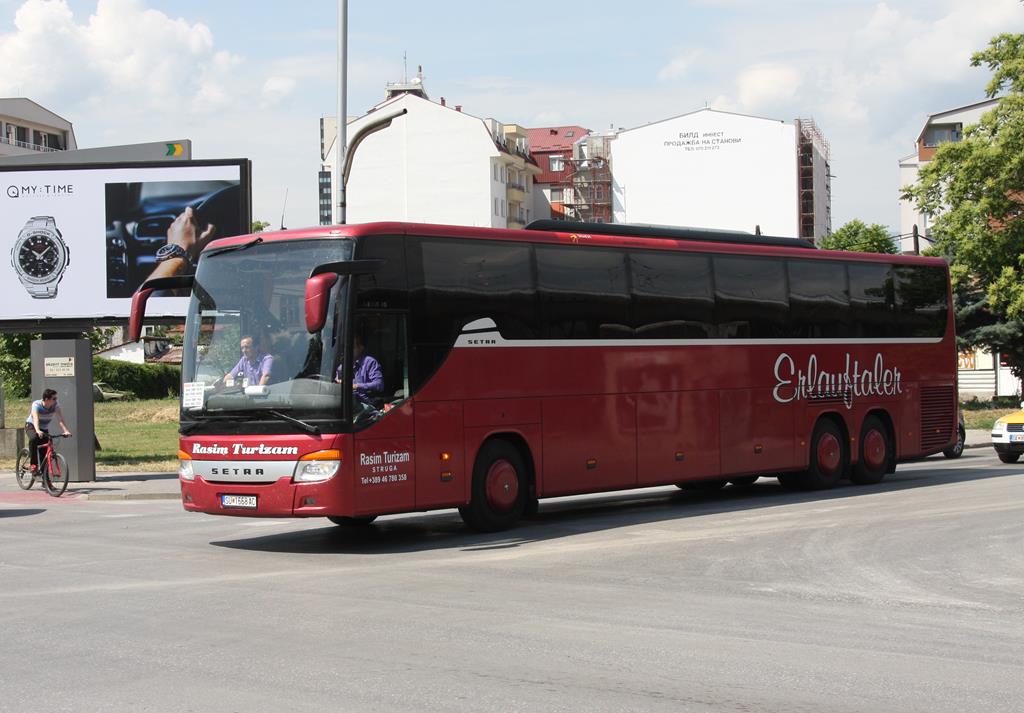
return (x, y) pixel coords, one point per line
(1008, 436)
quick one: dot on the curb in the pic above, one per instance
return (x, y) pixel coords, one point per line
(132, 496)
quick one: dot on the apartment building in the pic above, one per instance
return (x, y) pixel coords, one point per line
(26, 129)
(552, 150)
(434, 164)
(938, 129)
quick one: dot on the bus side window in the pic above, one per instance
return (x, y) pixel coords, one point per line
(672, 296)
(751, 298)
(584, 293)
(819, 299)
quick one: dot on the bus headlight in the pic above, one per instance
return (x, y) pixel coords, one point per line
(317, 467)
(185, 471)
(999, 427)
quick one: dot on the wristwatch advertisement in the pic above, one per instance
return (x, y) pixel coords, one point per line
(40, 256)
(81, 239)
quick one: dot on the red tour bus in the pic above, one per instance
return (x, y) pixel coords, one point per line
(514, 365)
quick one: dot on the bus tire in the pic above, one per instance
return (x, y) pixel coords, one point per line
(829, 457)
(790, 481)
(875, 452)
(500, 489)
(344, 521)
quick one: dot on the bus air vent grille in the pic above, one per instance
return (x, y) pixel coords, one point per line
(937, 417)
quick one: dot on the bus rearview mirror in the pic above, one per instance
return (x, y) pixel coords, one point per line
(318, 292)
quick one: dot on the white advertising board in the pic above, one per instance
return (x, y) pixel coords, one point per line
(77, 241)
(709, 169)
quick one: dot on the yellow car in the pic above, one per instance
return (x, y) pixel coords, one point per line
(1008, 436)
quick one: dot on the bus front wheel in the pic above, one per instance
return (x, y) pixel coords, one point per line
(499, 495)
(875, 452)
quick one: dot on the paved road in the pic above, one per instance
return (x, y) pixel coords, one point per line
(905, 597)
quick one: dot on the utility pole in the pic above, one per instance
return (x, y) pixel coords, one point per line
(341, 141)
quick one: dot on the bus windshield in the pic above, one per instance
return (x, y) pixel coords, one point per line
(246, 352)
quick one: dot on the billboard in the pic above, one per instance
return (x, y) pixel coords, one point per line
(709, 169)
(79, 239)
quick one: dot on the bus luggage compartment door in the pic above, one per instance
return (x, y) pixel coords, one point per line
(589, 443)
(756, 432)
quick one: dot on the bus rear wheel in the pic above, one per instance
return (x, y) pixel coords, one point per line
(829, 457)
(875, 452)
(500, 489)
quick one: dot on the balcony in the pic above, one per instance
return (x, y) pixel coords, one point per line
(515, 192)
(25, 145)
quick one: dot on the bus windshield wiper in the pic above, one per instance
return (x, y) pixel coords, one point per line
(200, 420)
(233, 248)
(307, 427)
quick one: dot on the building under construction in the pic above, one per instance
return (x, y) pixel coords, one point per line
(590, 197)
(815, 195)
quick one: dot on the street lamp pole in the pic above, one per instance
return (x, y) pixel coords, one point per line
(341, 142)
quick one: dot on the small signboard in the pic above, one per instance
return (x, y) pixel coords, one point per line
(192, 395)
(58, 366)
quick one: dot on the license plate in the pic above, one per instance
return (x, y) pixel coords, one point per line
(1016, 437)
(238, 501)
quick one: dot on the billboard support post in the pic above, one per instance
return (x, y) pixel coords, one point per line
(65, 365)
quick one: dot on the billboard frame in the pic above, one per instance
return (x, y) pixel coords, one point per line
(73, 325)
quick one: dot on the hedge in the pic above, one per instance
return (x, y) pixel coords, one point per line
(145, 381)
(17, 376)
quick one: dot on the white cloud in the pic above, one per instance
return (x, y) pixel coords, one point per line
(276, 89)
(122, 49)
(767, 84)
(679, 66)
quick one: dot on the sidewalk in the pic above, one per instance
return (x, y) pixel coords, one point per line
(110, 486)
(164, 486)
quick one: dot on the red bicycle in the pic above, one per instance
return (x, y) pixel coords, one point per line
(53, 468)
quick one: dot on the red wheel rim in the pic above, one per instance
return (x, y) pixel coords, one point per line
(874, 449)
(502, 486)
(829, 453)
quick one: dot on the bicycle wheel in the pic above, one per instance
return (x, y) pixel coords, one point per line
(23, 470)
(56, 480)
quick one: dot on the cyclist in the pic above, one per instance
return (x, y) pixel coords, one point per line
(37, 424)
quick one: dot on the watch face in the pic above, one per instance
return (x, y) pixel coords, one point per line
(40, 256)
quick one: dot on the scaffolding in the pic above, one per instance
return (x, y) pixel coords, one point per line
(589, 197)
(814, 176)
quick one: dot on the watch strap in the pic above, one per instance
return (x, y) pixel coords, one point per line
(170, 251)
(41, 292)
(41, 221)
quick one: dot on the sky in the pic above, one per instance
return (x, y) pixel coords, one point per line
(248, 79)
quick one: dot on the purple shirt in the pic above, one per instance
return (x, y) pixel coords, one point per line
(367, 378)
(252, 370)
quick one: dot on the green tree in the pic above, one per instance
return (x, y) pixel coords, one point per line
(259, 226)
(859, 237)
(975, 190)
